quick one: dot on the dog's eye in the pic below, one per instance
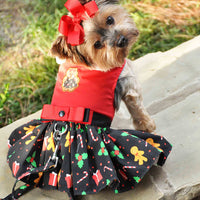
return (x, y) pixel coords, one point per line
(110, 20)
(97, 45)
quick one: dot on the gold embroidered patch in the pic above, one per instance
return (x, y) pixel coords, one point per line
(71, 80)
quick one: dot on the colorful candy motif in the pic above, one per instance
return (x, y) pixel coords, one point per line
(84, 177)
(15, 167)
(138, 155)
(156, 145)
(89, 158)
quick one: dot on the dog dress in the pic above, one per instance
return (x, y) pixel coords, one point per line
(72, 147)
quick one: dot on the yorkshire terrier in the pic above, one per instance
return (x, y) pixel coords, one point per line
(109, 35)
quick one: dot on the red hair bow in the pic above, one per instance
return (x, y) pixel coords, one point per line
(71, 27)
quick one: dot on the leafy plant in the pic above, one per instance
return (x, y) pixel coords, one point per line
(4, 97)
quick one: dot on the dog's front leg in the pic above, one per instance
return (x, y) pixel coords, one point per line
(129, 90)
(141, 118)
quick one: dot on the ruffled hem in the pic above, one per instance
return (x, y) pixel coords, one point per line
(90, 158)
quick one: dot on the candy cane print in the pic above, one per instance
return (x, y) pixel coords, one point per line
(23, 175)
(86, 175)
(112, 138)
(45, 143)
(94, 139)
(105, 167)
(9, 145)
(128, 167)
(146, 144)
(71, 139)
(81, 140)
(123, 174)
(104, 139)
(25, 136)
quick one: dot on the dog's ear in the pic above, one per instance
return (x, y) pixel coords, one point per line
(61, 49)
(104, 2)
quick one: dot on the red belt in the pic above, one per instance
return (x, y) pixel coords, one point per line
(72, 114)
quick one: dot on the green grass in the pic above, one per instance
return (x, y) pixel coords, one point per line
(154, 36)
(29, 84)
(29, 89)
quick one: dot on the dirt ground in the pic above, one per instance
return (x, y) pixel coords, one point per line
(12, 21)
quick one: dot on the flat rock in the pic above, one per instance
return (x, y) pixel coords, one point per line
(182, 168)
(171, 91)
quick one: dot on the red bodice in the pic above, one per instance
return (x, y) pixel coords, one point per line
(78, 88)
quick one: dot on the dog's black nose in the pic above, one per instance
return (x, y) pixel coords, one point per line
(122, 42)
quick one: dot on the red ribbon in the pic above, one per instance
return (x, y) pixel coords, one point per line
(71, 27)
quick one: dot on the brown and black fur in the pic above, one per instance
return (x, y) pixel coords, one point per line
(109, 35)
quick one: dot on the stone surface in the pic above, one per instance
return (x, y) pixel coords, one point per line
(183, 124)
(171, 91)
(6, 179)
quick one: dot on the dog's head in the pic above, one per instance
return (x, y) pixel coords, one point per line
(108, 37)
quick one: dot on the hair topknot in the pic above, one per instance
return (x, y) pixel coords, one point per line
(104, 2)
(100, 2)
(84, 1)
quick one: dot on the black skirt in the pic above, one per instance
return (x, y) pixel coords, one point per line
(89, 158)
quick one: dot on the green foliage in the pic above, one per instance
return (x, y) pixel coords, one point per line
(26, 87)
(29, 89)
(43, 23)
(157, 36)
(4, 96)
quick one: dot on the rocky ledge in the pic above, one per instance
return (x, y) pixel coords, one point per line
(171, 91)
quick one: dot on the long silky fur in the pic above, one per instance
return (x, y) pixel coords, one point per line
(109, 56)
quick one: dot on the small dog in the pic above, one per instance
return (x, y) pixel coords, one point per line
(108, 38)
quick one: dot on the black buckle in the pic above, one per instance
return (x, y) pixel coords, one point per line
(86, 115)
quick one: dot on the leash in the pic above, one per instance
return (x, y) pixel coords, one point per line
(50, 165)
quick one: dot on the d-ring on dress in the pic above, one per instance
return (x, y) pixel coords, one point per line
(72, 147)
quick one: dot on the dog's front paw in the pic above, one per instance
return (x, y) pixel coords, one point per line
(145, 124)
